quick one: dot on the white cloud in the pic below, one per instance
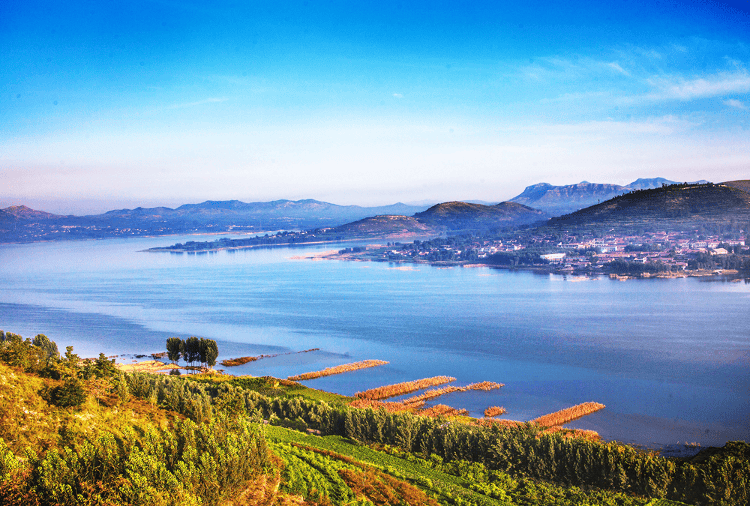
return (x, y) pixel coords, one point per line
(732, 102)
(616, 67)
(398, 95)
(689, 89)
(550, 68)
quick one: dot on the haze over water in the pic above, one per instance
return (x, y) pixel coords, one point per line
(669, 358)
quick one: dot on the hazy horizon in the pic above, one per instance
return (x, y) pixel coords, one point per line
(108, 106)
(91, 207)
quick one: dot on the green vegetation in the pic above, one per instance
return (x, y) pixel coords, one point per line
(76, 431)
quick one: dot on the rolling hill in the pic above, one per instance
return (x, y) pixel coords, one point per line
(743, 184)
(391, 226)
(462, 216)
(678, 204)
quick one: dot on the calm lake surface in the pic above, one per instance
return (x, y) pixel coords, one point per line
(669, 358)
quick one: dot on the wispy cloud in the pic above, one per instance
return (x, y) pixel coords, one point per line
(398, 95)
(198, 102)
(617, 68)
(689, 89)
(733, 102)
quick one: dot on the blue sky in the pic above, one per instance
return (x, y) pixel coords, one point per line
(120, 104)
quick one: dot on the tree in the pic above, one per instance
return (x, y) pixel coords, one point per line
(209, 351)
(70, 393)
(175, 349)
(191, 351)
(48, 347)
(102, 367)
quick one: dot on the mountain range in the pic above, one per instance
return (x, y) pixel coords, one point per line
(20, 223)
(584, 202)
(559, 200)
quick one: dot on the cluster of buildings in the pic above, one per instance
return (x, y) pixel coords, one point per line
(570, 254)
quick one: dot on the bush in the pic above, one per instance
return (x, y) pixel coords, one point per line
(69, 394)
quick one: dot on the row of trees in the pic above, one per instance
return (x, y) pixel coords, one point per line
(192, 350)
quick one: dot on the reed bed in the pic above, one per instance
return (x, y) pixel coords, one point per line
(494, 411)
(591, 435)
(568, 414)
(391, 407)
(437, 392)
(233, 362)
(490, 422)
(443, 410)
(484, 385)
(406, 387)
(329, 371)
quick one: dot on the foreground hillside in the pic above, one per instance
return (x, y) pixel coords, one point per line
(79, 432)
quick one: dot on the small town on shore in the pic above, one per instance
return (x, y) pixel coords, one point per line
(655, 254)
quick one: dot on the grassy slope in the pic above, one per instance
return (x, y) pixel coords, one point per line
(27, 420)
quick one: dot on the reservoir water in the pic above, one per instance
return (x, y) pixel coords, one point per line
(669, 358)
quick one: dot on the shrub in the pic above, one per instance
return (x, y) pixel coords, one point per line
(69, 394)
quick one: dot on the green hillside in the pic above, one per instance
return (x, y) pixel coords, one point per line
(463, 216)
(679, 204)
(79, 432)
(385, 226)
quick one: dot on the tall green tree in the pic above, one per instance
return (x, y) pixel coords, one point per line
(48, 347)
(209, 351)
(175, 349)
(191, 352)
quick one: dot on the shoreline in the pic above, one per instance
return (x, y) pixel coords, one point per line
(731, 275)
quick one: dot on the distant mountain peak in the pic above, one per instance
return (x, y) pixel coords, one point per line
(558, 200)
(646, 183)
(23, 212)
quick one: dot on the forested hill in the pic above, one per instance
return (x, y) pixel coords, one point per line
(462, 216)
(677, 205)
(385, 226)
